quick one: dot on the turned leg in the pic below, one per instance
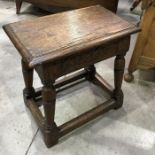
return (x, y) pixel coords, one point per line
(135, 4)
(50, 129)
(91, 72)
(18, 6)
(118, 77)
(28, 91)
(129, 77)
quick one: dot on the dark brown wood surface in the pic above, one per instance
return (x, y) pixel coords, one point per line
(51, 37)
(69, 4)
(75, 3)
(63, 43)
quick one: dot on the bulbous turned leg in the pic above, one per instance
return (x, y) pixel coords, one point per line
(28, 91)
(128, 77)
(118, 78)
(51, 132)
(135, 4)
(18, 6)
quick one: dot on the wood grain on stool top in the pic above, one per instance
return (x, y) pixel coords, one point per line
(51, 37)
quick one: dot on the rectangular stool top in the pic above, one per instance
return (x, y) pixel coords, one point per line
(52, 37)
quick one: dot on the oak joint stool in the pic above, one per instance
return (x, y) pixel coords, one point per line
(62, 43)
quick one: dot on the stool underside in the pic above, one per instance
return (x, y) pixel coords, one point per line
(34, 103)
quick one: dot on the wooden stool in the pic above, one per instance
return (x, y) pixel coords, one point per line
(59, 44)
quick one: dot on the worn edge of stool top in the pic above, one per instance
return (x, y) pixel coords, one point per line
(52, 37)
